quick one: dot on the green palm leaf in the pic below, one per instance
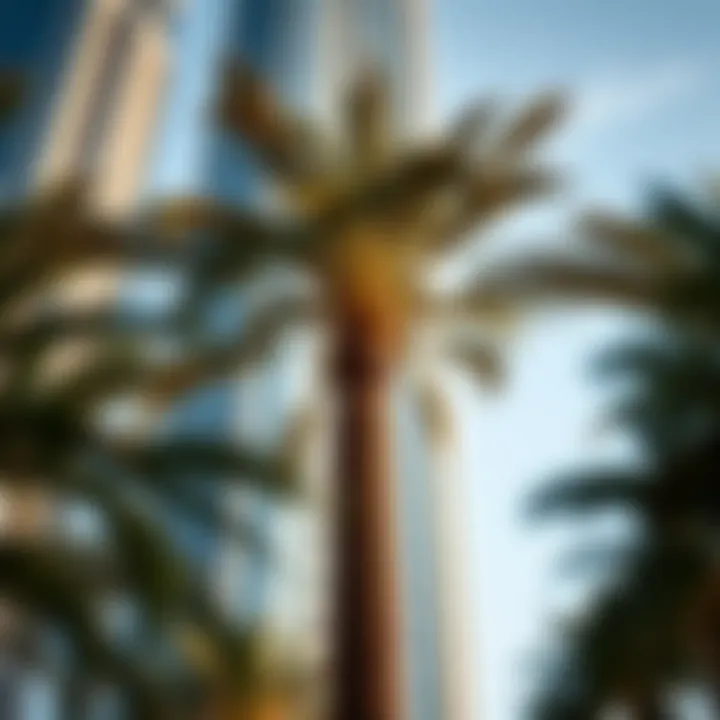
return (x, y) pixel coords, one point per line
(555, 279)
(175, 458)
(593, 491)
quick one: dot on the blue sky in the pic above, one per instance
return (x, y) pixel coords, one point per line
(643, 72)
(643, 80)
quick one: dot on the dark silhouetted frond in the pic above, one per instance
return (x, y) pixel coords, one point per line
(195, 457)
(593, 491)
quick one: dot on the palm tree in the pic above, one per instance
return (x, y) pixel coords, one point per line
(364, 226)
(53, 448)
(673, 409)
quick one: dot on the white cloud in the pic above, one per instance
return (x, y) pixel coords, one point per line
(624, 97)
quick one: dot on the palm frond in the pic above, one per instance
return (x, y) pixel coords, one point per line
(263, 330)
(592, 491)
(474, 307)
(533, 122)
(434, 410)
(687, 223)
(632, 242)
(547, 278)
(51, 236)
(287, 146)
(49, 584)
(485, 196)
(154, 569)
(472, 125)
(148, 558)
(235, 242)
(642, 358)
(482, 361)
(99, 374)
(228, 460)
(368, 123)
(298, 435)
(397, 193)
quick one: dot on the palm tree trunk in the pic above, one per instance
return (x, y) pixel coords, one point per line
(367, 680)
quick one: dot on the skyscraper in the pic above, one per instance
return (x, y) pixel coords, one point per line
(106, 106)
(95, 73)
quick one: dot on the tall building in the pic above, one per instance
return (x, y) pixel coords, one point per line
(106, 107)
(95, 73)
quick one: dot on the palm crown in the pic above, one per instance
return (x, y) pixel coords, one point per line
(365, 223)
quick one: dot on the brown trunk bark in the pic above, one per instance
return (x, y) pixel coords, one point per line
(367, 640)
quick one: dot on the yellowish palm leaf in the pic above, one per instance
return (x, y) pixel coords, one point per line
(482, 361)
(434, 411)
(533, 122)
(548, 278)
(299, 433)
(287, 146)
